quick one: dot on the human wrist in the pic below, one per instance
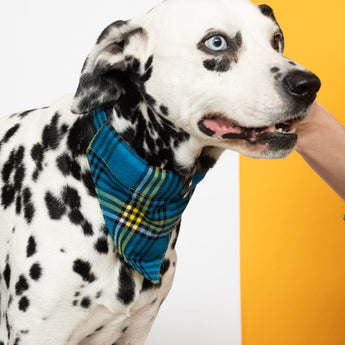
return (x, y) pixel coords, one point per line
(314, 129)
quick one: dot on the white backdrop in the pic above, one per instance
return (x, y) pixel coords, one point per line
(43, 47)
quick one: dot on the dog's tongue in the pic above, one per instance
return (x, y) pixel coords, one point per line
(221, 126)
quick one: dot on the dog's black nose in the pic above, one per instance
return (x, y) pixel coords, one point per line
(302, 86)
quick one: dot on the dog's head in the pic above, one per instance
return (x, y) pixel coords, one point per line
(212, 67)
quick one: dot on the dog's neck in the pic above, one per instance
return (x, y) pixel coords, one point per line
(157, 140)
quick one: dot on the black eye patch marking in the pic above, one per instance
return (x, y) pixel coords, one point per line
(164, 110)
(223, 58)
(218, 65)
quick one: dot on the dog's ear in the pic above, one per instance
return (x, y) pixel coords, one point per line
(113, 59)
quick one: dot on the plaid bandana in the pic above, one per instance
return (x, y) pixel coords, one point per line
(141, 204)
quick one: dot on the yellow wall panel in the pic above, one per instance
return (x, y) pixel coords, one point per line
(292, 227)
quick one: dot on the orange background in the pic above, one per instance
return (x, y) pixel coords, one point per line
(292, 227)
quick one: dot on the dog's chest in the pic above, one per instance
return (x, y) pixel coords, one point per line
(63, 264)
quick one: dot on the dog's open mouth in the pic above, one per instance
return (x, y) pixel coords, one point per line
(219, 127)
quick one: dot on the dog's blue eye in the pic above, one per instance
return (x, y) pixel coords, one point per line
(217, 43)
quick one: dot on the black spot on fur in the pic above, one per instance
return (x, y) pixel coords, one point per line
(9, 134)
(71, 197)
(145, 77)
(7, 275)
(29, 209)
(149, 62)
(76, 217)
(85, 302)
(165, 266)
(164, 110)
(87, 228)
(237, 41)
(23, 304)
(63, 163)
(275, 69)
(210, 64)
(21, 285)
(83, 268)
(102, 245)
(267, 11)
(8, 167)
(13, 167)
(17, 341)
(80, 135)
(126, 285)
(18, 204)
(223, 65)
(68, 166)
(217, 65)
(37, 154)
(31, 247)
(278, 76)
(292, 63)
(88, 183)
(63, 129)
(35, 271)
(7, 195)
(19, 177)
(55, 206)
(51, 134)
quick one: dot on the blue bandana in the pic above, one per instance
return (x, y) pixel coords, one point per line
(141, 204)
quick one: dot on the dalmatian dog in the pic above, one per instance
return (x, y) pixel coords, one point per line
(181, 84)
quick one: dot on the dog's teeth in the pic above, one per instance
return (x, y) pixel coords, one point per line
(280, 130)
